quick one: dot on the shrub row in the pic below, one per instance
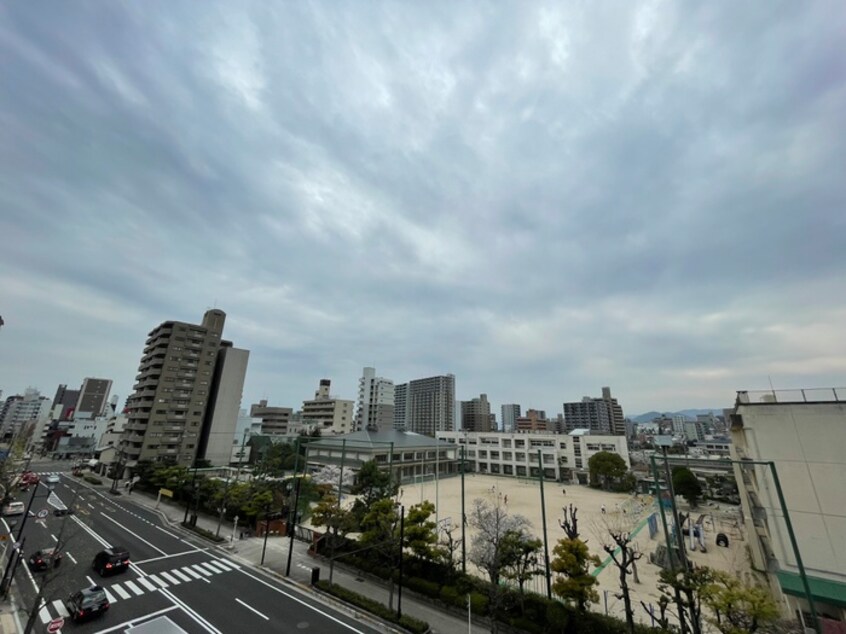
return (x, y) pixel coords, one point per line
(92, 480)
(374, 607)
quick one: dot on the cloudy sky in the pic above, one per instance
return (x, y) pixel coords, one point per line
(539, 198)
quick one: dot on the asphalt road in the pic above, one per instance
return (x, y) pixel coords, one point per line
(172, 577)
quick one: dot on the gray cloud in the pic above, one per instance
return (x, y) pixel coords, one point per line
(542, 199)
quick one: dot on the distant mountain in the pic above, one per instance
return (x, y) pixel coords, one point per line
(687, 413)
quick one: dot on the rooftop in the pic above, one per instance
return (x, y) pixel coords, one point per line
(379, 439)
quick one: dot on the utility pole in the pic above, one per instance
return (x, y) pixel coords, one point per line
(401, 541)
(292, 526)
(463, 524)
(543, 522)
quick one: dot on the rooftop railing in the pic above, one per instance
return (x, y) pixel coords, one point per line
(808, 395)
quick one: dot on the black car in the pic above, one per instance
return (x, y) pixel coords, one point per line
(45, 559)
(111, 561)
(87, 603)
(64, 511)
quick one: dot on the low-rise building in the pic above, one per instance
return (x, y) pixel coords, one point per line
(563, 458)
(328, 413)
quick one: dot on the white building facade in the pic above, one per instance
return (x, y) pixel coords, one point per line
(375, 409)
(563, 457)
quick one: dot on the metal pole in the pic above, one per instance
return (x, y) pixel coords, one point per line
(341, 477)
(543, 521)
(401, 540)
(663, 515)
(193, 492)
(676, 522)
(292, 527)
(391, 464)
(463, 523)
(266, 531)
(437, 482)
(805, 585)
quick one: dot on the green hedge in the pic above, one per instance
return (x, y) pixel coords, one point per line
(374, 607)
(92, 480)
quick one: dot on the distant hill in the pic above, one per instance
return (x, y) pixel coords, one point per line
(687, 413)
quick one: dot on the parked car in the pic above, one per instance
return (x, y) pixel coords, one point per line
(111, 561)
(64, 511)
(45, 559)
(28, 478)
(87, 603)
(14, 508)
(52, 479)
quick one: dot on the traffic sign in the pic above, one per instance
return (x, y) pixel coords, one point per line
(55, 625)
(43, 513)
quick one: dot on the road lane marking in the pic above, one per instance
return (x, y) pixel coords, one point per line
(215, 566)
(181, 575)
(205, 572)
(192, 613)
(301, 602)
(158, 581)
(196, 575)
(208, 567)
(138, 591)
(55, 539)
(134, 534)
(60, 608)
(170, 579)
(44, 614)
(152, 559)
(249, 607)
(90, 505)
(90, 580)
(226, 562)
(128, 624)
(71, 558)
(90, 531)
(109, 596)
(117, 588)
(143, 581)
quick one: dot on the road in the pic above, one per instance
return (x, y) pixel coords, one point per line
(172, 577)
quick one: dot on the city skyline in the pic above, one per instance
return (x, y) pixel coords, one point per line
(541, 200)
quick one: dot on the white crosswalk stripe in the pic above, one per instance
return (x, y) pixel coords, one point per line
(199, 569)
(144, 582)
(138, 591)
(226, 562)
(216, 566)
(170, 578)
(60, 608)
(196, 575)
(117, 588)
(181, 575)
(44, 614)
(109, 596)
(159, 582)
(208, 567)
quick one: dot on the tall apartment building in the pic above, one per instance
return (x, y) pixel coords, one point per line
(534, 420)
(375, 411)
(328, 413)
(600, 415)
(476, 414)
(187, 395)
(93, 398)
(510, 414)
(425, 406)
(64, 403)
(21, 411)
(803, 433)
(274, 420)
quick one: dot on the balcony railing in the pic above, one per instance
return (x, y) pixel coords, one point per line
(808, 395)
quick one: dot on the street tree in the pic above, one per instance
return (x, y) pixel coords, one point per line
(739, 607)
(380, 532)
(373, 483)
(687, 485)
(449, 545)
(523, 557)
(421, 533)
(685, 587)
(492, 549)
(338, 521)
(570, 522)
(572, 562)
(605, 468)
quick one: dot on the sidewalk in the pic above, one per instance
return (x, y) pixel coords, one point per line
(249, 551)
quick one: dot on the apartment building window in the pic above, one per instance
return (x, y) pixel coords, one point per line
(494, 455)
(520, 456)
(506, 455)
(521, 471)
(506, 443)
(483, 453)
(562, 445)
(520, 443)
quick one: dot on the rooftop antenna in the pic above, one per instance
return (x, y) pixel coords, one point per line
(772, 389)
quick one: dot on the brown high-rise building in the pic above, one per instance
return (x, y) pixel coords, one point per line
(476, 414)
(187, 395)
(93, 397)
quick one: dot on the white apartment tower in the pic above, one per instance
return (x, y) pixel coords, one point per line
(510, 414)
(375, 409)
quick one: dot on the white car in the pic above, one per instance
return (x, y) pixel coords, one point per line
(52, 479)
(14, 508)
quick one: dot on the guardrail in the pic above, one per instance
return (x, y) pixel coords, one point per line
(806, 395)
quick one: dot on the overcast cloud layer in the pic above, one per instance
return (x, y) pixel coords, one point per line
(539, 198)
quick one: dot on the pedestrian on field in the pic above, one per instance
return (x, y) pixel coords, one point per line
(563, 491)
(603, 509)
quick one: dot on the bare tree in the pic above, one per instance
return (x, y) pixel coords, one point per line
(570, 522)
(492, 549)
(450, 544)
(624, 557)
